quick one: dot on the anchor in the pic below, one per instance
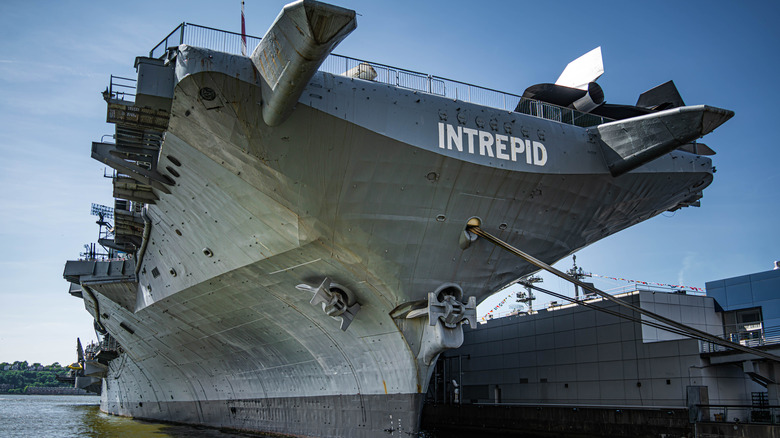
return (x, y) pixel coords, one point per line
(334, 300)
(446, 315)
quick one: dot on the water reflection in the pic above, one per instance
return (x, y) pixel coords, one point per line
(52, 416)
(68, 416)
(100, 425)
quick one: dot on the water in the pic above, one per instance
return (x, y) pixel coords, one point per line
(54, 416)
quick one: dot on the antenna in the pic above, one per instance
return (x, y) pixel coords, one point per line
(528, 297)
(102, 211)
(105, 231)
(577, 274)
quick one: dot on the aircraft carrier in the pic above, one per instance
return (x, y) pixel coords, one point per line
(289, 249)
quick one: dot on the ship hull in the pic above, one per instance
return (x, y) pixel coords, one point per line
(319, 416)
(359, 187)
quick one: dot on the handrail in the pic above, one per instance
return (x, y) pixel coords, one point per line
(230, 42)
(616, 291)
(738, 413)
(165, 40)
(766, 336)
(204, 36)
(121, 83)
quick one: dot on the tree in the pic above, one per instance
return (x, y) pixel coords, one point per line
(22, 377)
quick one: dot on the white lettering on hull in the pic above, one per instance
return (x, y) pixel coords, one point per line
(485, 143)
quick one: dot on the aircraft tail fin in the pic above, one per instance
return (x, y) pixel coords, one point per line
(662, 97)
(583, 70)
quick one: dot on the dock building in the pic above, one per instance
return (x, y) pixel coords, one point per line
(571, 369)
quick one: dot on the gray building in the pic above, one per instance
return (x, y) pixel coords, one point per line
(578, 357)
(751, 306)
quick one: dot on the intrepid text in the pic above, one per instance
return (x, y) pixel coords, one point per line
(503, 147)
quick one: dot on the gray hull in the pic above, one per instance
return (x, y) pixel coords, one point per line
(365, 184)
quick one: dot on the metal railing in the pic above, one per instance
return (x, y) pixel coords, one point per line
(121, 89)
(617, 291)
(203, 36)
(340, 65)
(230, 42)
(652, 288)
(108, 343)
(739, 414)
(757, 338)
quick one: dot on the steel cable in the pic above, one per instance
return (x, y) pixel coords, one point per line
(688, 330)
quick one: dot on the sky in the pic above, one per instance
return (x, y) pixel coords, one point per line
(57, 56)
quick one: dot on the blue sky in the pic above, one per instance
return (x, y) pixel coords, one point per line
(56, 58)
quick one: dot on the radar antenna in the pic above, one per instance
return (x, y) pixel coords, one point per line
(528, 297)
(106, 210)
(576, 273)
(106, 231)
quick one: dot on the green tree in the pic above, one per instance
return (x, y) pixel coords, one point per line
(14, 378)
(21, 378)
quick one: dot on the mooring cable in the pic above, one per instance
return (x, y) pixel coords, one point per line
(609, 311)
(690, 331)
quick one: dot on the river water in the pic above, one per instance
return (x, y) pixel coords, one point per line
(60, 416)
(54, 416)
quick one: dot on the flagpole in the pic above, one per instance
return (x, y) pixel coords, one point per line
(243, 30)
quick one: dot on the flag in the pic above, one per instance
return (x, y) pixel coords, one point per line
(243, 31)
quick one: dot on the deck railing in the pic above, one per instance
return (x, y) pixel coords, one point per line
(752, 414)
(757, 338)
(202, 36)
(230, 42)
(619, 291)
(121, 89)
